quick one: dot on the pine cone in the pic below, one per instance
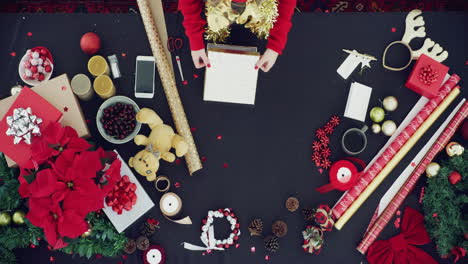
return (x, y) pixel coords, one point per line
(292, 203)
(308, 213)
(256, 227)
(130, 246)
(142, 243)
(279, 228)
(147, 229)
(271, 244)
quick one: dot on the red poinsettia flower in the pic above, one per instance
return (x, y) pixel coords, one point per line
(76, 186)
(57, 222)
(44, 184)
(54, 140)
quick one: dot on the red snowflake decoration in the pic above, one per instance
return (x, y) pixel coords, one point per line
(316, 145)
(320, 133)
(326, 163)
(326, 152)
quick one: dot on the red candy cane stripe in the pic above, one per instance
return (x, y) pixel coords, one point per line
(350, 196)
(406, 189)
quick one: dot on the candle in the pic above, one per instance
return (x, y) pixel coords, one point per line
(81, 86)
(104, 86)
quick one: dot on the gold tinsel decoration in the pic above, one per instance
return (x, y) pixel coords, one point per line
(259, 16)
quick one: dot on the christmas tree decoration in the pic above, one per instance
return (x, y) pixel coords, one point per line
(149, 227)
(88, 232)
(5, 219)
(454, 149)
(155, 254)
(377, 114)
(432, 169)
(454, 177)
(207, 235)
(292, 204)
(256, 227)
(320, 146)
(376, 128)
(18, 217)
(413, 233)
(271, 244)
(390, 103)
(279, 228)
(90, 43)
(130, 246)
(142, 243)
(313, 240)
(389, 127)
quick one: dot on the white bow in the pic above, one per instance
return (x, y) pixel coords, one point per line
(208, 239)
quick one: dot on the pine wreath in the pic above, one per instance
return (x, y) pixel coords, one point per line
(445, 206)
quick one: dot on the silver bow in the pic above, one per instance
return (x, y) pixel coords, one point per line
(23, 125)
(156, 153)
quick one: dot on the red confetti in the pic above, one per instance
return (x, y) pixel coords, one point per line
(29, 34)
(195, 76)
(237, 245)
(87, 121)
(185, 82)
(435, 215)
(49, 248)
(64, 88)
(252, 249)
(413, 164)
(193, 129)
(267, 257)
(398, 212)
(177, 161)
(219, 137)
(125, 257)
(98, 256)
(177, 184)
(397, 223)
(13, 54)
(32, 246)
(203, 159)
(466, 62)
(393, 29)
(65, 109)
(203, 254)
(38, 239)
(327, 11)
(52, 259)
(320, 170)
(225, 165)
(124, 54)
(421, 195)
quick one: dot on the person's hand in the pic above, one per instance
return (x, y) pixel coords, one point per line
(267, 60)
(200, 59)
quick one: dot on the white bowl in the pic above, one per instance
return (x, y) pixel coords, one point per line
(100, 112)
(21, 70)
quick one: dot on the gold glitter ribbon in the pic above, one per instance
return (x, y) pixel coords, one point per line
(169, 85)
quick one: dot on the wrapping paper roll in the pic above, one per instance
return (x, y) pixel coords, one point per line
(169, 85)
(406, 189)
(397, 157)
(350, 196)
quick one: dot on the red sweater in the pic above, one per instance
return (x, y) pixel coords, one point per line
(195, 25)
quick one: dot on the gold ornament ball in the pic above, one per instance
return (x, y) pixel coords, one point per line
(454, 149)
(18, 217)
(87, 233)
(432, 169)
(5, 219)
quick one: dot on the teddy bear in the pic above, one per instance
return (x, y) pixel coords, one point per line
(157, 145)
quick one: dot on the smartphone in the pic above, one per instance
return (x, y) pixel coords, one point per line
(144, 77)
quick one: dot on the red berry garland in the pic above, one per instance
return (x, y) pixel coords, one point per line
(320, 150)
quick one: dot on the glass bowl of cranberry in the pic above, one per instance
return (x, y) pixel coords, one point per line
(116, 120)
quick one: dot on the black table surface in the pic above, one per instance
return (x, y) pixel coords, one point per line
(266, 146)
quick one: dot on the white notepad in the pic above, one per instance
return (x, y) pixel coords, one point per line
(232, 77)
(358, 101)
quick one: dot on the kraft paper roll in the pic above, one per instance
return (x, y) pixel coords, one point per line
(168, 82)
(396, 159)
(171, 205)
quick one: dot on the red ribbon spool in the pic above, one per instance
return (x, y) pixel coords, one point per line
(343, 175)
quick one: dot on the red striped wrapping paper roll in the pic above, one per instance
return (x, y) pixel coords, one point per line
(373, 232)
(348, 198)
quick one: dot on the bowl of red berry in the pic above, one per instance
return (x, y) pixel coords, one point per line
(36, 66)
(116, 120)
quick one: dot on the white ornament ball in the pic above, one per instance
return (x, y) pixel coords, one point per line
(432, 169)
(35, 55)
(39, 61)
(28, 73)
(34, 62)
(376, 128)
(390, 103)
(229, 218)
(454, 149)
(219, 242)
(389, 127)
(224, 241)
(40, 69)
(230, 241)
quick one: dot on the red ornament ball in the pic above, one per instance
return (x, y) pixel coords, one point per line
(90, 43)
(454, 177)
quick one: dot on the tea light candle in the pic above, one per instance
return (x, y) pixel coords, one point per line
(104, 86)
(97, 65)
(81, 86)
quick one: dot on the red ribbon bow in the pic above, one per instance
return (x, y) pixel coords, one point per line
(401, 249)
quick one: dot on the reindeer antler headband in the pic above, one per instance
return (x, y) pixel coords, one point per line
(415, 28)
